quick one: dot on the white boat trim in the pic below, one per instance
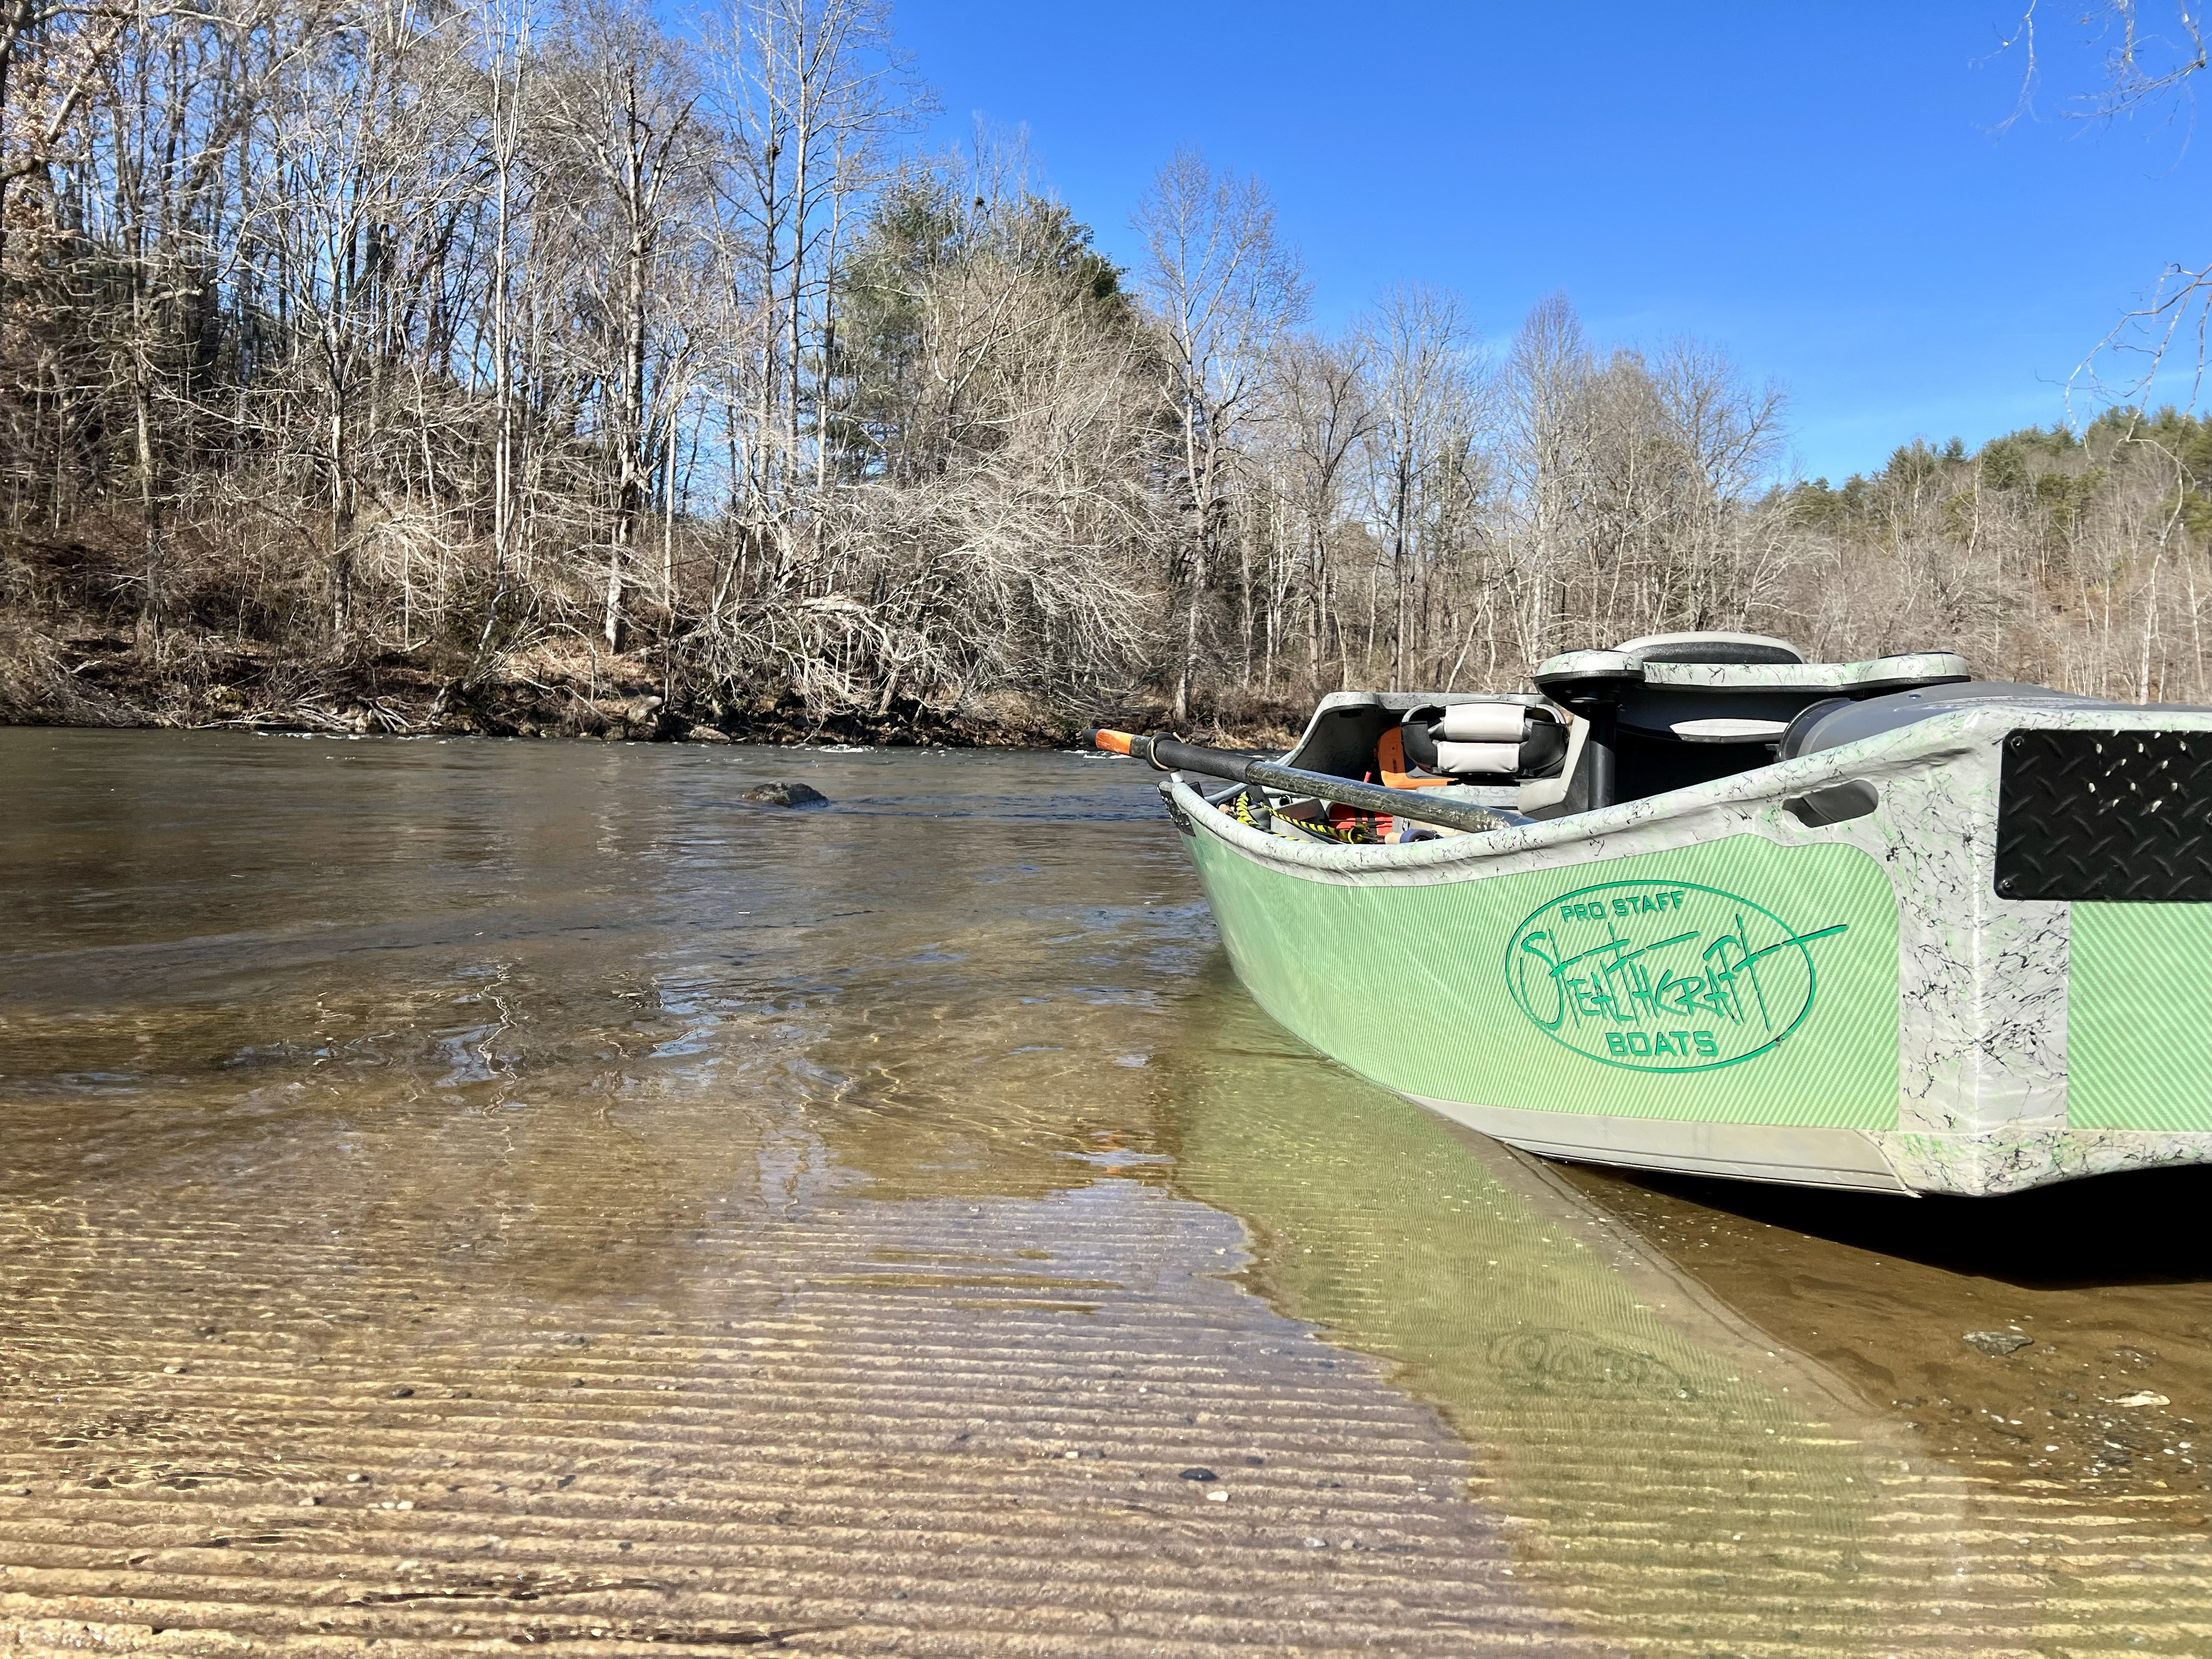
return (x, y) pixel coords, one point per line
(1794, 1156)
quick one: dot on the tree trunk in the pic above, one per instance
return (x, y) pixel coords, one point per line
(339, 437)
(149, 603)
(1316, 602)
(1189, 645)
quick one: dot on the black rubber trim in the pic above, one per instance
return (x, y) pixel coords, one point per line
(1730, 653)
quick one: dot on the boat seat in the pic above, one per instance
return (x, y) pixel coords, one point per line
(1671, 710)
(1526, 742)
(1486, 739)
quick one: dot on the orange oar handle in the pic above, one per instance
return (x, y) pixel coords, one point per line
(1173, 754)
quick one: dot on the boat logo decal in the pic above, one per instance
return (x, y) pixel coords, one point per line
(1663, 976)
(1541, 1359)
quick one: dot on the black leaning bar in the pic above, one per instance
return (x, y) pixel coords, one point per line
(1600, 766)
(1171, 755)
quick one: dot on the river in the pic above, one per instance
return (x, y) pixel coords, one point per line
(457, 1194)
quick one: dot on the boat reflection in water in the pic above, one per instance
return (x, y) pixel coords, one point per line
(1669, 1472)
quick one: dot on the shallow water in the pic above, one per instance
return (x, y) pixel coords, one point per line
(701, 1225)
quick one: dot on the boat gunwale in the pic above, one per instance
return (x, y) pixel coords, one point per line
(1924, 743)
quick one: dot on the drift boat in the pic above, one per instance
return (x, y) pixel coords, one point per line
(1698, 904)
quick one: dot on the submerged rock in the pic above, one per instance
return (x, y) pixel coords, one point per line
(785, 794)
(1997, 1343)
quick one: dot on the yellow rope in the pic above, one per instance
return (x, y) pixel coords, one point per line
(1354, 834)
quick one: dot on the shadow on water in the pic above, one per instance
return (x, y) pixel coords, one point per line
(1715, 1409)
(1636, 1440)
(2052, 1336)
(2144, 1227)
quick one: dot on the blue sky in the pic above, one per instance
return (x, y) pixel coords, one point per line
(1819, 189)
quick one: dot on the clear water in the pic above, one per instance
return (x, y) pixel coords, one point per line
(755, 1219)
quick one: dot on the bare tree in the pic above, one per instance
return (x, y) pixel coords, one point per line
(2152, 58)
(1424, 397)
(625, 98)
(1324, 409)
(364, 185)
(68, 47)
(1547, 375)
(814, 90)
(505, 26)
(1222, 287)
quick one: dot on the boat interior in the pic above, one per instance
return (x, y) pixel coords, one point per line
(1649, 716)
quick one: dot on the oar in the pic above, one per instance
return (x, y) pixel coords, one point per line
(1172, 754)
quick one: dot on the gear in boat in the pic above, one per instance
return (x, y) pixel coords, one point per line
(1605, 726)
(1655, 714)
(1696, 903)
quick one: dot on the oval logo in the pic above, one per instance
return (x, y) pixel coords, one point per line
(1551, 1360)
(1663, 976)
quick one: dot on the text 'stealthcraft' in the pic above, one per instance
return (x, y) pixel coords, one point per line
(1698, 904)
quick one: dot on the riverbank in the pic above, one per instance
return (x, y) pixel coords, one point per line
(83, 674)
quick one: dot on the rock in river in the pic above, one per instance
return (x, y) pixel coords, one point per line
(785, 794)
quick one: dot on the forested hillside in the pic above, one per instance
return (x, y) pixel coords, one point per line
(505, 366)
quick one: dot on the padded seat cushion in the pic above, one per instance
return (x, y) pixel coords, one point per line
(1710, 648)
(1487, 740)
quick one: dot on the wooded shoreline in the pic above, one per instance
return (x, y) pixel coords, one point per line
(84, 678)
(503, 366)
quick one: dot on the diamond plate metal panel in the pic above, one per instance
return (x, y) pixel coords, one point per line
(2112, 816)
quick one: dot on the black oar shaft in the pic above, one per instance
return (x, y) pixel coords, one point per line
(1172, 754)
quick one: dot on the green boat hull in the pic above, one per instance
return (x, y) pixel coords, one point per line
(1699, 982)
